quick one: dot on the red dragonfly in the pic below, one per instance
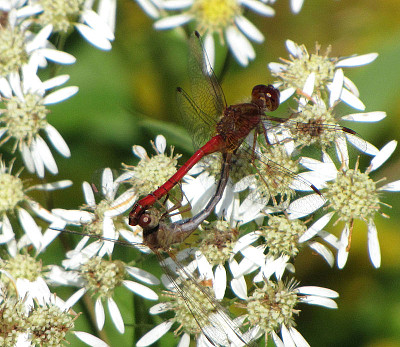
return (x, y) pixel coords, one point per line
(235, 124)
(216, 127)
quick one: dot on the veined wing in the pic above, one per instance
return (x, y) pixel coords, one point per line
(201, 111)
(206, 91)
(199, 124)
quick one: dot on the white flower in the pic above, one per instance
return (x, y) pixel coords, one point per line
(15, 201)
(100, 277)
(195, 308)
(96, 28)
(225, 18)
(271, 308)
(282, 240)
(25, 117)
(20, 47)
(351, 194)
(106, 218)
(324, 73)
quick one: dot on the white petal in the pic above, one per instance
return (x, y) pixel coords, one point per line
(177, 4)
(121, 204)
(142, 275)
(286, 94)
(88, 194)
(161, 143)
(149, 8)
(238, 283)
(296, 5)
(27, 157)
(349, 84)
(58, 142)
(365, 117)
(357, 60)
(107, 184)
(373, 245)
(140, 289)
(336, 87)
(219, 283)
(93, 37)
(319, 291)
(40, 39)
(316, 227)
(362, 145)
(299, 340)
(57, 56)
(391, 187)
(55, 81)
(276, 67)
(293, 49)
(249, 29)
(47, 157)
(278, 342)
(342, 251)
(5, 88)
(99, 313)
(154, 334)
(173, 21)
(89, 339)
(320, 301)
(60, 95)
(74, 216)
(116, 315)
(258, 7)
(98, 24)
(304, 206)
(308, 88)
(37, 159)
(383, 155)
(73, 299)
(239, 46)
(209, 47)
(324, 251)
(30, 227)
(351, 100)
(286, 337)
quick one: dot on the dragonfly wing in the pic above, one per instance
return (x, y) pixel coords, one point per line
(200, 126)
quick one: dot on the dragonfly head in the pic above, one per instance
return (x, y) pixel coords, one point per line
(265, 97)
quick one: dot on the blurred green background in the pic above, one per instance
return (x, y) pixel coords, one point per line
(127, 97)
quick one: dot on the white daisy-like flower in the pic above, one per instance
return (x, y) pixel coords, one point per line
(24, 118)
(96, 27)
(16, 201)
(351, 194)
(224, 18)
(100, 277)
(20, 47)
(103, 218)
(150, 172)
(196, 310)
(315, 125)
(280, 243)
(326, 74)
(272, 306)
(46, 321)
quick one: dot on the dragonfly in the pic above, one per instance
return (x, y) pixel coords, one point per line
(217, 127)
(236, 122)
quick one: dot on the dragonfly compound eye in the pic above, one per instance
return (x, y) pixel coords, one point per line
(265, 96)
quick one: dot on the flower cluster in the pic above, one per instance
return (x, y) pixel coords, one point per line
(229, 282)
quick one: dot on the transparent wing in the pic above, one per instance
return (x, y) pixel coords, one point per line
(200, 126)
(203, 110)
